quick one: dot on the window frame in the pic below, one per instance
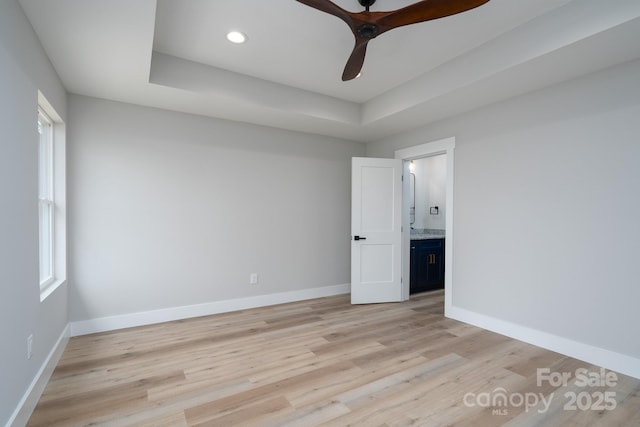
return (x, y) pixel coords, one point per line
(51, 171)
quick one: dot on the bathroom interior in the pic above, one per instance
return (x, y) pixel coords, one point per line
(427, 218)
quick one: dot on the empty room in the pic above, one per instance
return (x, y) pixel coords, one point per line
(315, 212)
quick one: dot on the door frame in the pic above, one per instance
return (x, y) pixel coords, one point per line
(442, 146)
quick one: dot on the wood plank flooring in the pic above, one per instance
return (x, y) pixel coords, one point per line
(324, 362)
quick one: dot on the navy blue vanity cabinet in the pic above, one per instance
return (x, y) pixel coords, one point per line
(427, 265)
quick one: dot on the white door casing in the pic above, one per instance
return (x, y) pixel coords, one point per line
(447, 147)
(376, 230)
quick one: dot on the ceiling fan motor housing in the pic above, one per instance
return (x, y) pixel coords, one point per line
(366, 3)
(368, 31)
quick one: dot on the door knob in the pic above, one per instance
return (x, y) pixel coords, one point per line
(359, 238)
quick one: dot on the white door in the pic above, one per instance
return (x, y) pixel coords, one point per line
(376, 230)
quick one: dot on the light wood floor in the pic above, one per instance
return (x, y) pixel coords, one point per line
(320, 362)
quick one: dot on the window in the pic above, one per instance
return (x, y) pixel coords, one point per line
(46, 203)
(51, 198)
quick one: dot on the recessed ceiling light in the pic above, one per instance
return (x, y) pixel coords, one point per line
(236, 37)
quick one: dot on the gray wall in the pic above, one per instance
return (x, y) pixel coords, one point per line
(171, 210)
(24, 68)
(546, 208)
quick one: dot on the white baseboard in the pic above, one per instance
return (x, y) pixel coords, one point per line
(30, 399)
(184, 312)
(621, 363)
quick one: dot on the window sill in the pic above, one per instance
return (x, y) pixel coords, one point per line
(50, 288)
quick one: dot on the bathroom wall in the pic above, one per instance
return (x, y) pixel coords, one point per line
(430, 174)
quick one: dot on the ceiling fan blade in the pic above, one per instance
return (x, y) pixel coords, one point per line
(356, 60)
(329, 7)
(426, 10)
(368, 25)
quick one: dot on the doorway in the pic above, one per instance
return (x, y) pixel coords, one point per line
(427, 210)
(440, 147)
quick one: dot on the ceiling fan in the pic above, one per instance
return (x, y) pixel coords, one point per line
(368, 25)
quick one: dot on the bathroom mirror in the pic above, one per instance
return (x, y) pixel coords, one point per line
(412, 193)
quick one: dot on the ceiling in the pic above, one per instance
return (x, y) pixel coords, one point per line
(174, 55)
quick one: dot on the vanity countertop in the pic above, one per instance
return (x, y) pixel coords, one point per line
(426, 233)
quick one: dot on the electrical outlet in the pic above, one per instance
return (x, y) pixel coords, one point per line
(253, 278)
(29, 346)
